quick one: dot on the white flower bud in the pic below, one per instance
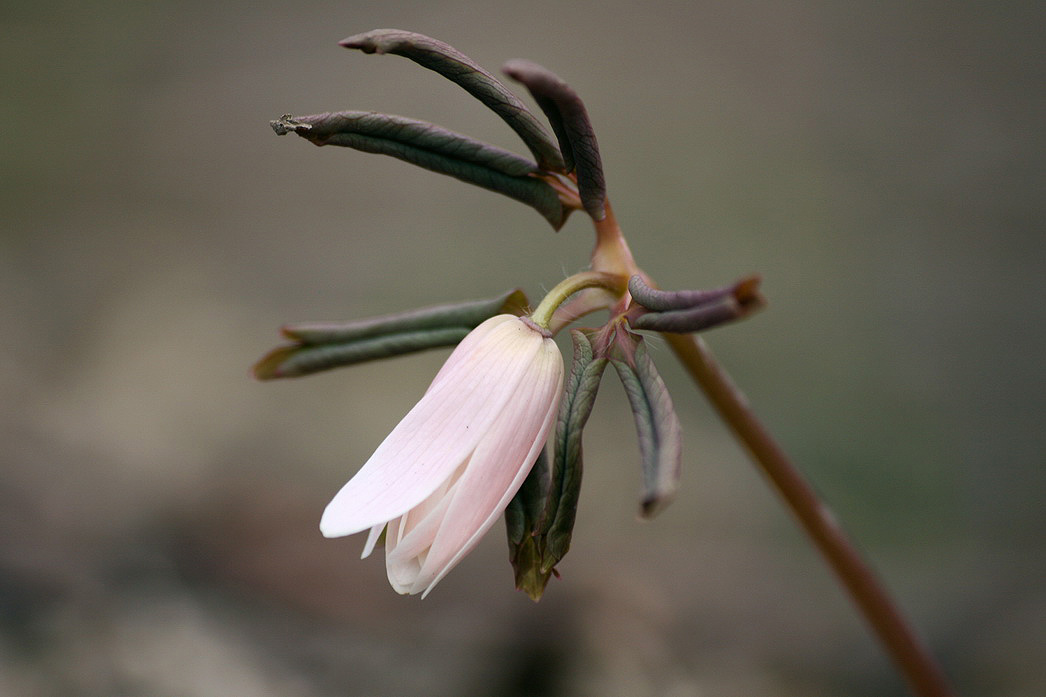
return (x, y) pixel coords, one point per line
(446, 473)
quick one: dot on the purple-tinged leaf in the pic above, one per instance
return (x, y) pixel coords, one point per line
(432, 148)
(660, 300)
(569, 119)
(462, 70)
(688, 311)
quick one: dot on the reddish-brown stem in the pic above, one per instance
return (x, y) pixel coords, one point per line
(611, 255)
(871, 598)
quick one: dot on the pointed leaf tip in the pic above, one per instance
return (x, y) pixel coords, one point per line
(268, 368)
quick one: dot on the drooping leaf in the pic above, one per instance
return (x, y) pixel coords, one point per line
(521, 516)
(459, 68)
(540, 519)
(657, 427)
(570, 122)
(433, 148)
(581, 388)
(526, 507)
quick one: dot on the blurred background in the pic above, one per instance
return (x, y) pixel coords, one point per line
(880, 164)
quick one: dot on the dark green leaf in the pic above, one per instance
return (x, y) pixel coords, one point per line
(433, 148)
(305, 359)
(459, 68)
(579, 395)
(324, 345)
(466, 314)
(540, 518)
(521, 516)
(526, 506)
(657, 427)
(569, 118)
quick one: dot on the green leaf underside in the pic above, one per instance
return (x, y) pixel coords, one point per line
(435, 149)
(465, 314)
(572, 126)
(657, 428)
(540, 519)
(466, 73)
(299, 360)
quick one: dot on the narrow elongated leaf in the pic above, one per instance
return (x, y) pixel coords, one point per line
(324, 129)
(459, 68)
(299, 360)
(657, 427)
(467, 314)
(692, 320)
(540, 519)
(581, 387)
(569, 118)
(432, 148)
(745, 291)
(687, 311)
(659, 300)
(324, 345)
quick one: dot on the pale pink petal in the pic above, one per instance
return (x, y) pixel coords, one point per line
(405, 557)
(372, 540)
(462, 353)
(433, 503)
(498, 467)
(401, 570)
(491, 519)
(411, 534)
(440, 432)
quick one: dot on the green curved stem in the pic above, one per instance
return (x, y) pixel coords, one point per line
(542, 316)
(899, 639)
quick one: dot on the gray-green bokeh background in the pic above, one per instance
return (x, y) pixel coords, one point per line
(880, 164)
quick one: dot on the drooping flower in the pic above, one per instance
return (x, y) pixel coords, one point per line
(445, 474)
